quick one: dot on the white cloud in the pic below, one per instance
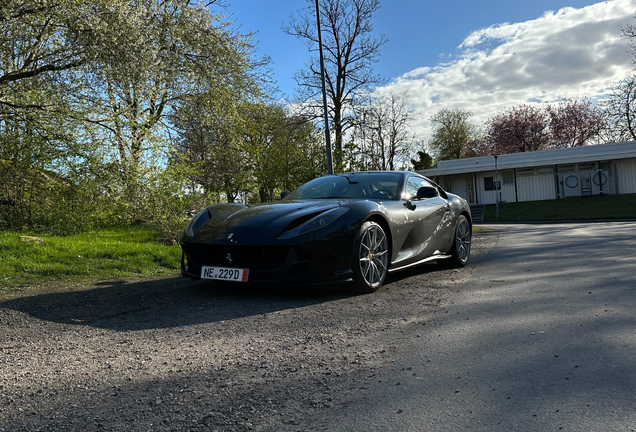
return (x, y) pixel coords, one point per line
(567, 53)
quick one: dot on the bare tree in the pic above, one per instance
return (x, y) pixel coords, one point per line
(629, 31)
(620, 109)
(383, 131)
(350, 51)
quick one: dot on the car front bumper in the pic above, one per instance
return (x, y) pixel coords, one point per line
(308, 263)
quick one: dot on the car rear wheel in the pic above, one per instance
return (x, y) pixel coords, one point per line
(461, 245)
(370, 259)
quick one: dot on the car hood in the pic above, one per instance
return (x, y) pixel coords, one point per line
(241, 223)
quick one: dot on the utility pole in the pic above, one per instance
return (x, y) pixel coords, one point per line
(496, 188)
(324, 94)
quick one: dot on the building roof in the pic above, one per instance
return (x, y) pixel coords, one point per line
(590, 153)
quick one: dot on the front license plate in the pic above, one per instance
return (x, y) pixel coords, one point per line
(224, 273)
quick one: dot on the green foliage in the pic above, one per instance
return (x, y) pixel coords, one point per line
(92, 97)
(286, 151)
(177, 52)
(136, 113)
(41, 38)
(212, 135)
(40, 199)
(104, 254)
(425, 161)
(171, 199)
(452, 131)
(247, 149)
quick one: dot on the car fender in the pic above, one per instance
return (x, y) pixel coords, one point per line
(458, 205)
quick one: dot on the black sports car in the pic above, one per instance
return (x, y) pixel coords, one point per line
(356, 226)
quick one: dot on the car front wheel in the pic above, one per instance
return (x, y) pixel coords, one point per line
(370, 259)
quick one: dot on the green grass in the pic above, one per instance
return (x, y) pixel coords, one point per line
(104, 254)
(115, 254)
(579, 208)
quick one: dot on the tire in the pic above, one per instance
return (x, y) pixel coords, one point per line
(460, 252)
(370, 260)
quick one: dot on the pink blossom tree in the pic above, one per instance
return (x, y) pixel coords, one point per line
(521, 128)
(574, 123)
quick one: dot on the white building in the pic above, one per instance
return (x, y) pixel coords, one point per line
(541, 175)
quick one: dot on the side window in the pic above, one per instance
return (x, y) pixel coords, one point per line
(414, 184)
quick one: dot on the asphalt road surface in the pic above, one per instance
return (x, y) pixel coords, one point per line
(542, 338)
(172, 355)
(537, 333)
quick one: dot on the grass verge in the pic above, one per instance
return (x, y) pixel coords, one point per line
(118, 253)
(577, 208)
(104, 254)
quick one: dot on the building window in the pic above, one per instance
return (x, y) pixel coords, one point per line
(489, 183)
(587, 166)
(567, 168)
(545, 170)
(508, 178)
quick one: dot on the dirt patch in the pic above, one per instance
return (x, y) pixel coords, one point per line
(173, 355)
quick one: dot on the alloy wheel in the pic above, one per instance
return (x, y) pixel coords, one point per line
(462, 240)
(374, 256)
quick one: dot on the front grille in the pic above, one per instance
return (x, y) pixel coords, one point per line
(259, 258)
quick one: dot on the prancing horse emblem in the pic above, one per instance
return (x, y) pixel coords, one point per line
(229, 259)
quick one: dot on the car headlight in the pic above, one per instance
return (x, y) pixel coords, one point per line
(197, 222)
(319, 221)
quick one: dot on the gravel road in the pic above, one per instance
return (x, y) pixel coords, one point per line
(173, 355)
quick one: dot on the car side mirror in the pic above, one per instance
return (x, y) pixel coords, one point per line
(284, 193)
(426, 192)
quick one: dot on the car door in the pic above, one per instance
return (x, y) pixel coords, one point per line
(429, 217)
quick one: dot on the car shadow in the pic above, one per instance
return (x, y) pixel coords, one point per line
(176, 301)
(168, 302)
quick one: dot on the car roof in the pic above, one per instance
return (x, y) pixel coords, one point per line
(378, 172)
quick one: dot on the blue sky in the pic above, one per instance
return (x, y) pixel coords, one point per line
(507, 51)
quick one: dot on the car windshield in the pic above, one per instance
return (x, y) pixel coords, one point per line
(382, 186)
